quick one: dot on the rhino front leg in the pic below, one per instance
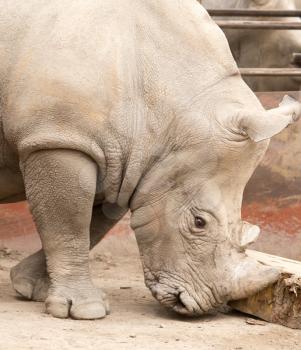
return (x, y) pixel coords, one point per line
(30, 278)
(60, 187)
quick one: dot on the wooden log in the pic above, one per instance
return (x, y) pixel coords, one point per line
(272, 72)
(281, 302)
(254, 13)
(245, 24)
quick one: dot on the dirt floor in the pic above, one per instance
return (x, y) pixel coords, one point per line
(137, 321)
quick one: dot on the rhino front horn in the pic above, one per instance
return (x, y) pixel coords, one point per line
(250, 277)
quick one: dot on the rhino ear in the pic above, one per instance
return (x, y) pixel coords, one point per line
(266, 124)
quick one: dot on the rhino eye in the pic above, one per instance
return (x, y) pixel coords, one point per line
(199, 222)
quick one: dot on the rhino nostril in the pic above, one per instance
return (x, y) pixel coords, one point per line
(181, 308)
(155, 293)
(185, 305)
(180, 302)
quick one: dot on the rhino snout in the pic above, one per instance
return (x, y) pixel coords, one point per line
(181, 301)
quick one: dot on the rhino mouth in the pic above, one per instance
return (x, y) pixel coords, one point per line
(180, 301)
(182, 297)
(186, 305)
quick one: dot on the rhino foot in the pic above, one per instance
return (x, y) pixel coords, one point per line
(82, 304)
(30, 278)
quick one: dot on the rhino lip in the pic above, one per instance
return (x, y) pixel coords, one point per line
(179, 301)
(186, 305)
(180, 306)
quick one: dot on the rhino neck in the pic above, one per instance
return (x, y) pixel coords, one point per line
(132, 149)
(163, 76)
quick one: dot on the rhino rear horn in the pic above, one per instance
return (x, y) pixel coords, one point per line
(249, 235)
(264, 125)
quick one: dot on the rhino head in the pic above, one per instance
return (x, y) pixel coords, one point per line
(186, 213)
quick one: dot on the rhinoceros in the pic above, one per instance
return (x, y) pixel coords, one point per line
(130, 105)
(264, 48)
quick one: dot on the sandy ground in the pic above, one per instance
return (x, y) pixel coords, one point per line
(137, 321)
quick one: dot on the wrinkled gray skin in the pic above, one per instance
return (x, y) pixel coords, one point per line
(264, 48)
(109, 106)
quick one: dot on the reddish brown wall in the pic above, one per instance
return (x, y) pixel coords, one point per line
(272, 199)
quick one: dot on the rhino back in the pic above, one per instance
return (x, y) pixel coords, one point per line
(84, 74)
(58, 72)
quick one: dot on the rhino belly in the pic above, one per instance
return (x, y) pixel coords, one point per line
(11, 186)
